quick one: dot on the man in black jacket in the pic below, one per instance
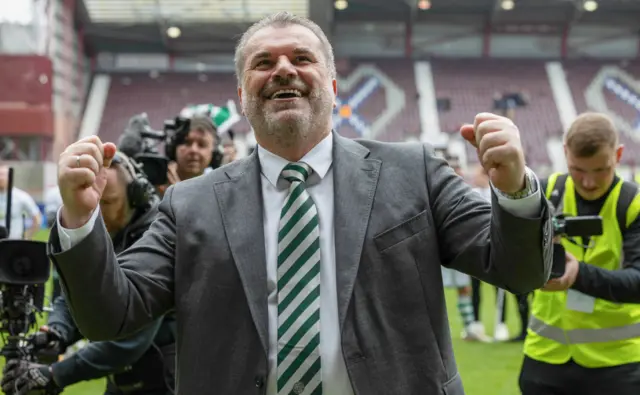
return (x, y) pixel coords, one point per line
(139, 364)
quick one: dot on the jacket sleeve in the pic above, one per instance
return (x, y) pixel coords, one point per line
(620, 286)
(100, 359)
(130, 290)
(61, 321)
(485, 240)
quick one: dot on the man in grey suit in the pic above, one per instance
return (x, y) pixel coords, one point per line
(313, 265)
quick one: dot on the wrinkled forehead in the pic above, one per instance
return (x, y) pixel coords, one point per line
(279, 40)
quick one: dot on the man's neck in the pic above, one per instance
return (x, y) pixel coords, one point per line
(296, 150)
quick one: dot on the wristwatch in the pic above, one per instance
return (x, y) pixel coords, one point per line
(530, 187)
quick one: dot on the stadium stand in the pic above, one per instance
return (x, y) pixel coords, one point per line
(162, 97)
(471, 84)
(581, 74)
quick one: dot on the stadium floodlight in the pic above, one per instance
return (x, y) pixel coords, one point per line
(424, 4)
(507, 4)
(590, 5)
(341, 4)
(174, 32)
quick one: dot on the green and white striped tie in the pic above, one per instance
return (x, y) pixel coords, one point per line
(298, 288)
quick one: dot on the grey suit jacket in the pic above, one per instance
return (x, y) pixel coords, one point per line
(400, 213)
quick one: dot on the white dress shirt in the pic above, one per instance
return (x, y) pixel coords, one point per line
(335, 379)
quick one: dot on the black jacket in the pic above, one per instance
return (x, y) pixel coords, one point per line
(101, 359)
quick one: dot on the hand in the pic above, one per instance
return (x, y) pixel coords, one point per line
(497, 141)
(49, 344)
(82, 178)
(572, 267)
(172, 173)
(21, 377)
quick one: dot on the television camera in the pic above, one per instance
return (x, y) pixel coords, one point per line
(570, 227)
(141, 142)
(24, 271)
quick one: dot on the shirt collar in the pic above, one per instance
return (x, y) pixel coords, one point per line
(319, 159)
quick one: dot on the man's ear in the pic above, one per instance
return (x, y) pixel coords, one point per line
(334, 84)
(619, 152)
(240, 99)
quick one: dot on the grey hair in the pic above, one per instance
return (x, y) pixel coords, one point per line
(283, 19)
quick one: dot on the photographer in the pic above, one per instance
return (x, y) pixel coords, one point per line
(584, 333)
(140, 364)
(192, 153)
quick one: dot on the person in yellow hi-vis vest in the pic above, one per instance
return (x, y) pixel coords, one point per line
(584, 332)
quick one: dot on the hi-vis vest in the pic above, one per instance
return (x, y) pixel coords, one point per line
(610, 335)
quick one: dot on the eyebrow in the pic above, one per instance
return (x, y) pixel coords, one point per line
(267, 54)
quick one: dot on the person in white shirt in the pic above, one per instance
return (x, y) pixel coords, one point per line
(22, 204)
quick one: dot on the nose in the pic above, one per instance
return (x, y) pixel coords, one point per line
(588, 182)
(284, 68)
(193, 146)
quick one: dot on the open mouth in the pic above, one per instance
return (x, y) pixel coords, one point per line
(286, 94)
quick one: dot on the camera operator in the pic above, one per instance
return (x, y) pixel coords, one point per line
(194, 153)
(140, 364)
(584, 333)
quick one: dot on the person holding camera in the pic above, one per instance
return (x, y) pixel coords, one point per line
(193, 153)
(139, 364)
(584, 333)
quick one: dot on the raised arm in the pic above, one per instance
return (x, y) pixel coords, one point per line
(508, 242)
(128, 291)
(110, 297)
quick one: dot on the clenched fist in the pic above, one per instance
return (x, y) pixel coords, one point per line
(82, 178)
(497, 141)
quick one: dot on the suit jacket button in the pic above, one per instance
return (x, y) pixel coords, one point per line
(259, 382)
(298, 387)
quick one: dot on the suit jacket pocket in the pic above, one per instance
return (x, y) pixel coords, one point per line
(398, 233)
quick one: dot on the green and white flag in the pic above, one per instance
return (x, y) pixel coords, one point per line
(223, 117)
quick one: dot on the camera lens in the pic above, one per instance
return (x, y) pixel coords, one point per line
(21, 266)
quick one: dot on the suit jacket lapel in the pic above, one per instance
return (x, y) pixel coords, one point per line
(240, 200)
(355, 181)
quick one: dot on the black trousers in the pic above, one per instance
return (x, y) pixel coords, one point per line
(475, 300)
(539, 378)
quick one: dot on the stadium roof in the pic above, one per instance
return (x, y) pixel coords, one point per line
(214, 25)
(188, 11)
